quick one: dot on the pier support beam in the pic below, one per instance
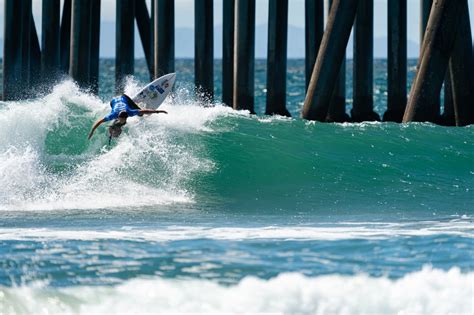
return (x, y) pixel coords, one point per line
(363, 95)
(144, 23)
(95, 45)
(125, 42)
(397, 60)
(244, 55)
(204, 49)
(50, 58)
(337, 107)
(163, 37)
(314, 29)
(16, 49)
(276, 58)
(79, 68)
(329, 60)
(26, 50)
(425, 9)
(35, 58)
(437, 48)
(227, 51)
(65, 36)
(460, 72)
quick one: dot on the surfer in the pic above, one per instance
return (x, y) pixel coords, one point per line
(122, 108)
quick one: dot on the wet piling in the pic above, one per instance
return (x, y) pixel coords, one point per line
(437, 46)
(204, 49)
(460, 72)
(276, 58)
(79, 68)
(244, 55)
(65, 37)
(227, 51)
(314, 29)
(124, 42)
(337, 106)
(95, 46)
(16, 49)
(50, 57)
(396, 60)
(144, 23)
(163, 31)
(363, 95)
(329, 60)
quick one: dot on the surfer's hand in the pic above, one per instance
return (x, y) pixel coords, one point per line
(162, 111)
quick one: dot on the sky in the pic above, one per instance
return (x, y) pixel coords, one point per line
(184, 14)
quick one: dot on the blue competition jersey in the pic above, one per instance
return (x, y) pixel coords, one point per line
(119, 104)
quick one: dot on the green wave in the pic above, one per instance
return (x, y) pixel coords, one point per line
(226, 160)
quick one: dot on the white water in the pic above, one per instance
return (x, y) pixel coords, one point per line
(463, 227)
(428, 291)
(100, 176)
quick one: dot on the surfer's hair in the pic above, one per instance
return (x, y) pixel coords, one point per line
(123, 114)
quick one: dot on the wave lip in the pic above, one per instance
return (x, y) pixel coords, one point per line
(429, 291)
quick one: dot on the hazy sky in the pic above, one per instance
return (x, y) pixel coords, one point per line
(184, 15)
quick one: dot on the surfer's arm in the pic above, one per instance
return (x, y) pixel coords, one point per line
(151, 111)
(97, 124)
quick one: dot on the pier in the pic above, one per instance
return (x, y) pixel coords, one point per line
(70, 38)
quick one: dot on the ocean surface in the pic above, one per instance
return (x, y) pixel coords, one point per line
(211, 210)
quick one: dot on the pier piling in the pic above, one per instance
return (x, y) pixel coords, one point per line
(79, 68)
(125, 42)
(337, 106)
(35, 58)
(437, 48)
(144, 23)
(65, 36)
(276, 58)
(50, 58)
(163, 11)
(244, 55)
(329, 60)
(363, 95)
(227, 51)
(27, 24)
(314, 29)
(204, 49)
(459, 70)
(95, 45)
(16, 49)
(396, 60)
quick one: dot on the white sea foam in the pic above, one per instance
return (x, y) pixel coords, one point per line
(343, 231)
(428, 291)
(150, 165)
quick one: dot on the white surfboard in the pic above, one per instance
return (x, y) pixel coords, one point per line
(154, 93)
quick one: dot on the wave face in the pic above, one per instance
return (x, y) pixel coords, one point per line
(428, 291)
(213, 155)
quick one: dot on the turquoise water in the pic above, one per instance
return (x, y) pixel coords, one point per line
(207, 209)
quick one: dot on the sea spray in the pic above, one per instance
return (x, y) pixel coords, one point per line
(149, 165)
